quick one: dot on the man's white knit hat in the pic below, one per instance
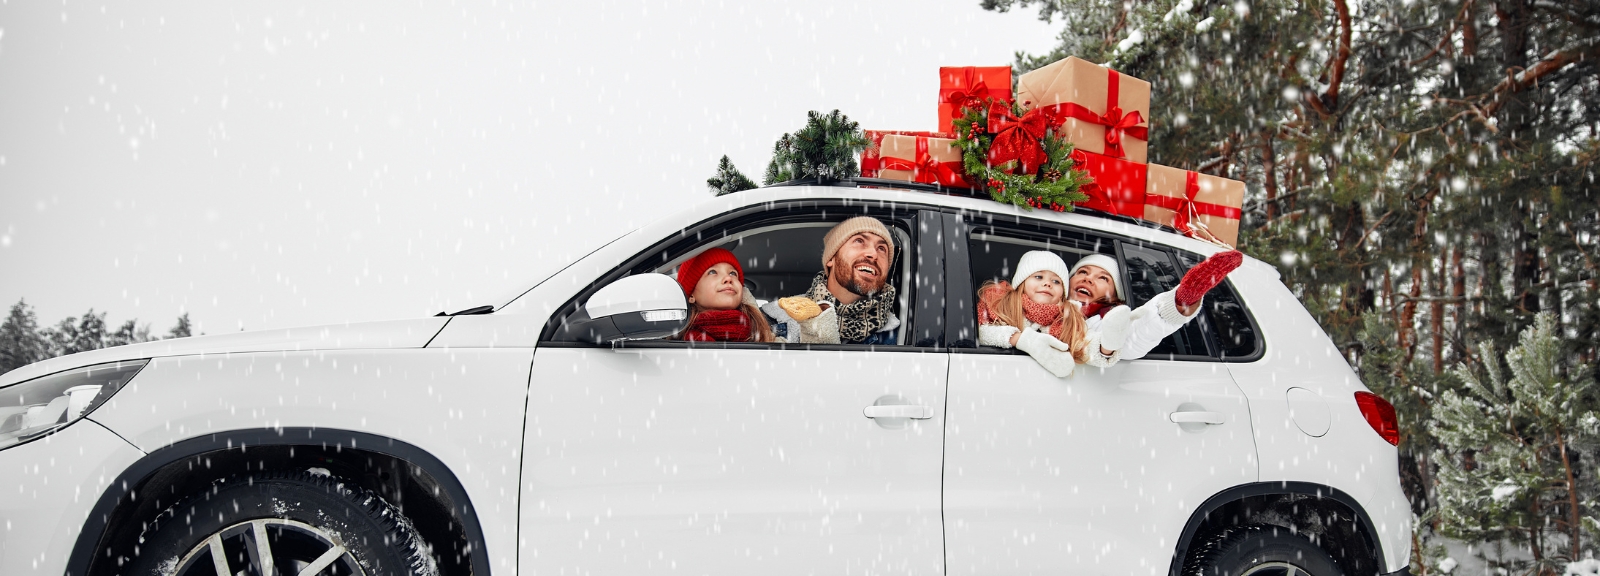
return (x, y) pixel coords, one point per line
(1036, 261)
(1107, 263)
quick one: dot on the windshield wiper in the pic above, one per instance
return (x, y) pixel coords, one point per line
(473, 311)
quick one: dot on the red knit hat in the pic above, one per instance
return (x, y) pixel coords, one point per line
(690, 271)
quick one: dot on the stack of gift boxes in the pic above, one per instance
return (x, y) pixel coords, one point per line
(1103, 113)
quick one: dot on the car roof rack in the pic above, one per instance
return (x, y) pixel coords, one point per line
(960, 191)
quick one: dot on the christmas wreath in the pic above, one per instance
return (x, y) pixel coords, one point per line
(1015, 156)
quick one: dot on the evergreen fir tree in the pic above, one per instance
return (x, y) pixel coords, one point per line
(1514, 443)
(728, 179)
(20, 340)
(181, 329)
(825, 149)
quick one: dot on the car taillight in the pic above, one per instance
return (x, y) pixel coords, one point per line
(1380, 414)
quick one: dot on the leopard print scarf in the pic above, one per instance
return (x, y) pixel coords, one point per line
(857, 320)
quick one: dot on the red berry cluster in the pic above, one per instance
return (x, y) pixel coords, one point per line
(1034, 202)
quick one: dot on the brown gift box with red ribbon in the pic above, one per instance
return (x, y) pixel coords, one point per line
(871, 160)
(1098, 109)
(961, 86)
(925, 159)
(1198, 205)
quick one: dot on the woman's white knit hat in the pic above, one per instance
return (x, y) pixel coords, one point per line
(1107, 263)
(1038, 260)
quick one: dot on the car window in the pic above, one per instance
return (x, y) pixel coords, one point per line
(780, 251)
(1228, 320)
(1148, 272)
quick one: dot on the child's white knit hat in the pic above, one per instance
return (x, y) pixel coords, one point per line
(1036, 261)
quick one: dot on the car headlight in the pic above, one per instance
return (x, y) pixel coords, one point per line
(35, 408)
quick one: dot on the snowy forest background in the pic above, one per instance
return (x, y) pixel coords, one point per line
(1422, 173)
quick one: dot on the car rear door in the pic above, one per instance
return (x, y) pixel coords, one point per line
(1087, 474)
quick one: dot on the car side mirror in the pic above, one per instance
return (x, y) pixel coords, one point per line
(637, 307)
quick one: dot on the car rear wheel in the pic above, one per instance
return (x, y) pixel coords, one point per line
(1260, 550)
(299, 523)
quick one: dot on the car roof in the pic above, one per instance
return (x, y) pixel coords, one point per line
(890, 193)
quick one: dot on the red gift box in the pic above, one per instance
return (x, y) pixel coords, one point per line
(925, 159)
(1118, 187)
(871, 161)
(968, 86)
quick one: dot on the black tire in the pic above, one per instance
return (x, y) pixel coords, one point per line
(1260, 550)
(303, 518)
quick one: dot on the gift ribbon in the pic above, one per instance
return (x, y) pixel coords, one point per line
(1186, 207)
(974, 92)
(1114, 120)
(1118, 185)
(925, 169)
(1018, 138)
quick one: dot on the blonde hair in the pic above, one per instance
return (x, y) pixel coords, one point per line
(1008, 309)
(760, 330)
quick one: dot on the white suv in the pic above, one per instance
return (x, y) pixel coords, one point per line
(554, 436)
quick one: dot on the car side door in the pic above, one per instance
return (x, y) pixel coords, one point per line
(1088, 474)
(734, 458)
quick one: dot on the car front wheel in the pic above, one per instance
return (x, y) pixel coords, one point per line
(296, 523)
(1260, 550)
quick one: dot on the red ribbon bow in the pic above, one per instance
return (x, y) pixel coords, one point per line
(973, 93)
(925, 169)
(1186, 207)
(1116, 122)
(1018, 138)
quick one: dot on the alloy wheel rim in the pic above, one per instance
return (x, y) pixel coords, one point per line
(269, 547)
(1275, 569)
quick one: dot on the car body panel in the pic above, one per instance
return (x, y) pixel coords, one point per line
(385, 334)
(731, 461)
(465, 407)
(1350, 456)
(49, 487)
(1084, 474)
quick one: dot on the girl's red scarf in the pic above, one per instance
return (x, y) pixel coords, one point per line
(719, 326)
(1041, 314)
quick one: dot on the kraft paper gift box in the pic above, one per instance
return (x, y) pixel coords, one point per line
(870, 158)
(1183, 198)
(1097, 109)
(926, 159)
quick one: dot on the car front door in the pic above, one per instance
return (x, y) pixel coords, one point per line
(712, 458)
(1087, 474)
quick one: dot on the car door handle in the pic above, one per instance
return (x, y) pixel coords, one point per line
(1196, 417)
(911, 411)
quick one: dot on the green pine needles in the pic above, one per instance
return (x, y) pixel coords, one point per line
(1054, 184)
(1510, 465)
(728, 179)
(825, 149)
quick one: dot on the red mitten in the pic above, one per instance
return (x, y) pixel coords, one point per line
(1206, 275)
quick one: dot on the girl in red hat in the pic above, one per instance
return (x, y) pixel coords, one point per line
(720, 309)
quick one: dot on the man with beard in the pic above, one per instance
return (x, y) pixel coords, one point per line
(850, 301)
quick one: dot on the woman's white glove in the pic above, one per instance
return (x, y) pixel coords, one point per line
(1050, 352)
(1114, 328)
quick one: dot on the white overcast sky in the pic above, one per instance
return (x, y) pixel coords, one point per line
(273, 164)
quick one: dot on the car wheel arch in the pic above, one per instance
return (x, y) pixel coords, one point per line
(1266, 503)
(165, 475)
